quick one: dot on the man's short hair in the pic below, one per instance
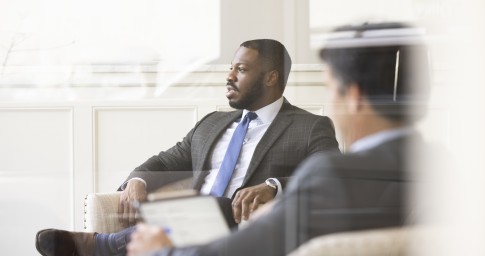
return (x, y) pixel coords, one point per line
(274, 55)
(387, 61)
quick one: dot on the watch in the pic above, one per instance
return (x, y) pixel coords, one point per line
(272, 183)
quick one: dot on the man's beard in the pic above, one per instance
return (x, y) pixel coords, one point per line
(250, 97)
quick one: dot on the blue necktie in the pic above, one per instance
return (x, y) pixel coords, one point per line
(231, 156)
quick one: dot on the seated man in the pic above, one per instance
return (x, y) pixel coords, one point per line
(373, 87)
(279, 138)
(275, 136)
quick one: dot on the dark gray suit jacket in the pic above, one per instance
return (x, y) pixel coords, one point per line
(329, 193)
(293, 135)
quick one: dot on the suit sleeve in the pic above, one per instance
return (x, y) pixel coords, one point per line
(168, 166)
(322, 137)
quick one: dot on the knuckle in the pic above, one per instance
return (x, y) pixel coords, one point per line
(247, 200)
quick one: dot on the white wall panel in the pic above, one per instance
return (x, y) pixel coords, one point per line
(126, 137)
(35, 140)
(36, 180)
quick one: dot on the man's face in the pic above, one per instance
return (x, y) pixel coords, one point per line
(245, 81)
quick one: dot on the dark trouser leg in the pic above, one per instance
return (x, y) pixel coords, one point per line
(114, 243)
(225, 205)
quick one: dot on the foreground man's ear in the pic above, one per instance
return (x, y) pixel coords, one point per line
(354, 98)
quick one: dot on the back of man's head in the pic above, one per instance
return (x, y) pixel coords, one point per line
(387, 61)
(274, 55)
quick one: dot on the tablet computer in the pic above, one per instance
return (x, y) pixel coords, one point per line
(187, 220)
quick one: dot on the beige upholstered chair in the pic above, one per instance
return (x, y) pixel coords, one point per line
(399, 241)
(101, 209)
(100, 212)
(100, 216)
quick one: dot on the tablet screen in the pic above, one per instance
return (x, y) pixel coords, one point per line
(188, 220)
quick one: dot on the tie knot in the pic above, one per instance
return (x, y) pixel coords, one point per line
(252, 115)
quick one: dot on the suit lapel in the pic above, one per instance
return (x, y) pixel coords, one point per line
(213, 135)
(277, 127)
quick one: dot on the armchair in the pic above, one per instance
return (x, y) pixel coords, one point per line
(101, 209)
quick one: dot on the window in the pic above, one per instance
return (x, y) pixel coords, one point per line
(45, 42)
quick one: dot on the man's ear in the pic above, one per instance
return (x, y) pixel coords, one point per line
(354, 97)
(271, 78)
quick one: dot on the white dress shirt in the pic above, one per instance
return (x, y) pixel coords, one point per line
(378, 138)
(255, 132)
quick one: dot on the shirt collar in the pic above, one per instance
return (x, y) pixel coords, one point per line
(267, 113)
(376, 139)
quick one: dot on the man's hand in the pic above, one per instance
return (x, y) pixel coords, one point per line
(146, 239)
(248, 199)
(134, 191)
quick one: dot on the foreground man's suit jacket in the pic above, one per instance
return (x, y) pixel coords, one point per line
(329, 193)
(292, 136)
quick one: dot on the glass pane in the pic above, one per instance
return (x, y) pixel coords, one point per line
(53, 42)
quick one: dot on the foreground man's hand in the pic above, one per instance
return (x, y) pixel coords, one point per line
(248, 200)
(146, 239)
(134, 191)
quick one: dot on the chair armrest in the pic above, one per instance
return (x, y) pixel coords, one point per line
(101, 212)
(377, 242)
(101, 209)
(183, 184)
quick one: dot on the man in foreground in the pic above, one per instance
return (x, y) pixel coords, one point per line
(376, 86)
